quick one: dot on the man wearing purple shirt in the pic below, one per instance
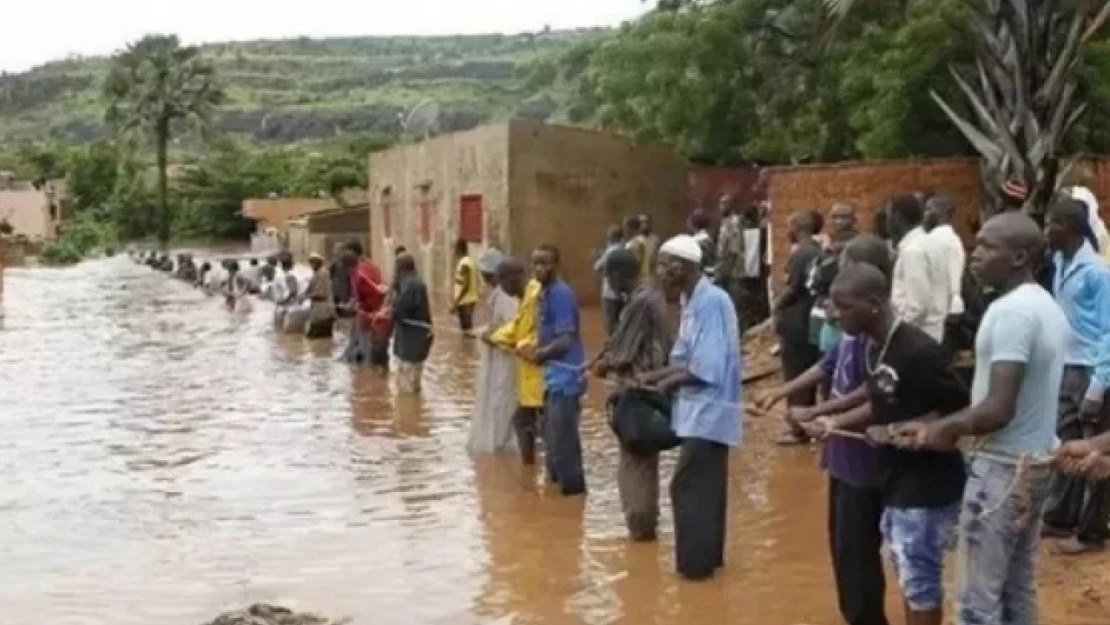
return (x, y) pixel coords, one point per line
(855, 501)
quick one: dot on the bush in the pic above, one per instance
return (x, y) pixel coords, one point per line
(60, 253)
(78, 240)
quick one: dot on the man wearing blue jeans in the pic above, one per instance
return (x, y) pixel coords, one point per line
(1020, 351)
(560, 352)
(908, 378)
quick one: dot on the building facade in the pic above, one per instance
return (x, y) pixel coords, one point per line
(514, 186)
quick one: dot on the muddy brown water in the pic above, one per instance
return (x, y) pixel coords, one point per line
(164, 461)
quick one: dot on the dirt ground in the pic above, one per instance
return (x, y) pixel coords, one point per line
(1073, 590)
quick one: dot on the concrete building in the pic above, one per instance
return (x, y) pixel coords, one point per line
(320, 232)
(514, 186)
(32, 210)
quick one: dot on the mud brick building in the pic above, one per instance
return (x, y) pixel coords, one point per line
(514, 186)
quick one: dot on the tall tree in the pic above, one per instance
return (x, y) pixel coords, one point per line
(155, 89)
(1024, 94)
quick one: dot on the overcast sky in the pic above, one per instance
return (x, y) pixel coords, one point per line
(37, 31)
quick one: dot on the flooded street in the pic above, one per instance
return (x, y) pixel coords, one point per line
(164, 460)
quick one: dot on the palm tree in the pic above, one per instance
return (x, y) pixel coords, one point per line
(1025, 82)
(155, 89)
(1023, 90)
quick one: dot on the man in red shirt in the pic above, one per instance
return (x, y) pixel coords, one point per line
(369, 342)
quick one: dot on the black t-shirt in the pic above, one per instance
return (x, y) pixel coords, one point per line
(794, 317)
(912, 380)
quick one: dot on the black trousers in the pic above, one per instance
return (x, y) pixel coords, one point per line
(699, 497)
(526, 424)
(797, 357)
(465, 313)
(1079, 505)
(855, 541)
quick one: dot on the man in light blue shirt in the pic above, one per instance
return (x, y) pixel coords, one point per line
(1080, 510)
(1019, 357)
(704, 371)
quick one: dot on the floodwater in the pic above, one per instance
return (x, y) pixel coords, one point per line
(164, 460)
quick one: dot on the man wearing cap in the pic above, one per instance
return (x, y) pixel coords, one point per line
(704, 374)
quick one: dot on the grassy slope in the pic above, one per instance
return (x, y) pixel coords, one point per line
(300, 89)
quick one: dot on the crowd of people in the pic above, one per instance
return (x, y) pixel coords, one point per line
(871, 330)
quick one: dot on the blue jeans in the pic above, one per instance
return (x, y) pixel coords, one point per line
(563, 447)
(998, 550)
(918, 539)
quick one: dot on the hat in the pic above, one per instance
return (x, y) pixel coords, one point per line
(683, 246)
(316, 255)
(489, 260)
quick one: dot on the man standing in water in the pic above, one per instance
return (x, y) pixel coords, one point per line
(321, 310)
(704, 371)
(640, 344)
(560, 352)
(908, 378)
(520, 335)
(340, 280)
(412, 324)
(1019, 359)
(1080, 509)
(368, 345)
(466, 287)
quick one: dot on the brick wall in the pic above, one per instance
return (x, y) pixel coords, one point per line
(705, 184)
(868, 186)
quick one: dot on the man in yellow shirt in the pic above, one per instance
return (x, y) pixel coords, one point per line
(466, 287)
(521, 332)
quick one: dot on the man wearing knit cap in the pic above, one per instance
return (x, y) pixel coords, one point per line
(704, 375)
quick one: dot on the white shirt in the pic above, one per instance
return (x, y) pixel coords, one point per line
(947, 251)
(915, 298)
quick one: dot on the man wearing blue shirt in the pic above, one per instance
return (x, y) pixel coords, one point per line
(1080, 509)
(704, 374)
(560, 352)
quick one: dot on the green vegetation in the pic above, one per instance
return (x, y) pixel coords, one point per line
(155, 89)
(790, 81)
(769, 81)
(304, 89)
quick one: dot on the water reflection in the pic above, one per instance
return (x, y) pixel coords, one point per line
(165, 460)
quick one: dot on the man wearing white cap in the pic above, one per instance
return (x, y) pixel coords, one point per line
(704, 374)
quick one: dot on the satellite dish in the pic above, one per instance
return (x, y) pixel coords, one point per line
(422, 120)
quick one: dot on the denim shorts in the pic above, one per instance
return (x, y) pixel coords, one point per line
(918, 539)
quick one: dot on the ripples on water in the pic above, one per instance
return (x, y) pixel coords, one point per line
(164, 460)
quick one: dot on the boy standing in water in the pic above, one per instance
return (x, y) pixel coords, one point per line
(519, 334)
(466, 287)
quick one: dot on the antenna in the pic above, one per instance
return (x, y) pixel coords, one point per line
(422, 120)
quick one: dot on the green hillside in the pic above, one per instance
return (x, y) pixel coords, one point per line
(304, 89)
